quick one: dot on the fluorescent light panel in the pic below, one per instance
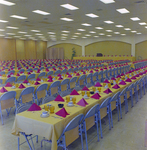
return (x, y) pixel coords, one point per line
(6, 3)
(10, 33)
(4, 21)
(109, 30)
(2, 30)
(85, 24)
(2, 35)
(127, 29)
(9, 27)
(101, 34)
(81, 29)
(119, 26)
(107, 1)
(38, 34)
(100, 28)
(109, 22)
(122, 10)
(142, 23)
(92, 32)
(65, 31)
(41, 12)
(18, 17)
(133, 31)
(35, 30)
(69, 6)
(22, 32)
(66, 19)
(51, 32)
(92, 15)
(78, 33)
(135, 18)
(96, 36)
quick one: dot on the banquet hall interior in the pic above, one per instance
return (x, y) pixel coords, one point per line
(73, 75)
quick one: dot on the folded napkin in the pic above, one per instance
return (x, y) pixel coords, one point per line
(8, 85)
(47, 69)
(116, 86)
(29, 73)
(69, 76)
(134, 78)
(101, 69)
(36, 83)
(82, 102)
(25, 81)
(50, 80)
(2, 90)
(122, 83)
(38, 79)
(91, 71)
(128, 80)
(96, 96)
(108, 91)
(137, 75)
(113, 78)
(118, 76)
(122, 74)
(105, 68)
(31, 70)
(75, 72)
(74, 92)
(21, 72)
(59, 99)
(98, 85)
(11, 73)
(38, 71)
(8, 76)
(106, 81)
(62, 112)
(50, 77)
(17, 74)
(59, 75)
(21, 86)
(85, 89)
(34, 107)
(54, 69)
(68, 73)
(60, 78)
(84, 72)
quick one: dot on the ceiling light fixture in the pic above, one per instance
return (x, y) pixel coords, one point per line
(135, 18)
(85, 24)
(41, 12)
(107, 1)
(100, 28)
(119, 26)
(9, 27)
(109, 22)
(66, 19)
(35, 30)
(18, 17)
(69, 6)
(142, 23)
(81, 29)
(122, 10)
(92, 15)
(4, 2)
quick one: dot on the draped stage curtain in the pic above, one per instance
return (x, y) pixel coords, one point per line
(55, 53)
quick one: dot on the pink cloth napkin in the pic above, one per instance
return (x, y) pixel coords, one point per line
(34, 107)
(118, 76)
(18, 74)
(25, 81)
(85, 89)
(36, 83)
(50, 77)
(68, 73)
(21, 72)
(47, 69)
(122, 74)
(38, 79)
(69, 76)
(134, 78)
(113, 78)
(108, 91)
(62, 112)
(82, 102)
(8, 76)
(59, 99)
(96, 96)
(3, 90)
(106, 81)
(74, 92)
(50, 80)
(137, 75)
(31, 70)
(128, 80)
(21, 86)
(8, 85)
(11, 73)
(91, 71)
(98, 84)
(38, 71)
(116, 86)
(84, 72)
(60, 78)
(29, 73)
(59, 75)
(77, 74)
(122, 83)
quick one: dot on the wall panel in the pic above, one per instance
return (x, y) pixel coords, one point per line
(20, 49)
(41, 49)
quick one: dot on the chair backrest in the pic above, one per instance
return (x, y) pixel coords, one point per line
(82, 77)
(54, 88)
(42, 87)
(2, 72)
(49, 73)
(105, 103)
(11, 80)
(23, 107)
(35, 69)
(48, 99)
(42, 74)
(123, 92)
(92, 111)
(115, 97)
(28, 70)
(12, 71)
(57, 72)
(21, 78)
(22, 70)
(64, 71)
(41, 68)
(69, 70)
(31, 76)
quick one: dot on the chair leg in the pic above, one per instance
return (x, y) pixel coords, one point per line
(81, 137)
(2, 118)
(18, 143)
(96, 121)
(99, 118)
(117, 106)
(85, 135)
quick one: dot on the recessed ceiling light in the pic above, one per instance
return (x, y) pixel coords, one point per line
(109, 22)
(96, 36)
(84, 37)
(123, 10)
(27, 35)
(18, 17)
(10, 33)
(52, 35)
(35, 30)
(87, 35)
(66, 19)
(133, 31)
(73, 38)
(64, 34)
(92, 15)
(109, 35)
(9, 27)
(119, 26)
(123, 34)
(85, 24)
(109, 30)
(78, 33)
(4, 21)
(127, 29)
(81, 29)
(107, 1)
(92, 32)
(99, 28)
(2, 30)
(135, 18)
(139, 33)
(7, 37)
(65, 31)
(4, 2)
(41, 12)
(142, 23)
(116, 32)
(101, 34)
(69, 6)
(2, 35)
(17, 36)
(22, 32)
(51, 32)
(38, 34)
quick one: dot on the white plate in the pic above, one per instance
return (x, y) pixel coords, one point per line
(86, 97)
(44, 116)
(13, 87)
(70, 105)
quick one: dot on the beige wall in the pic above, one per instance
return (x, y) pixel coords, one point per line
(68, 49)
(108, 48)
(141, 50)
(11, 49)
